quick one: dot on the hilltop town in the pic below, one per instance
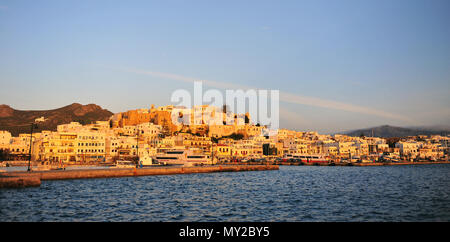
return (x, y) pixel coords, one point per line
(150, 132)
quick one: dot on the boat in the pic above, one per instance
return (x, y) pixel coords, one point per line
(147, 161)
(307, 158)
(186, 157)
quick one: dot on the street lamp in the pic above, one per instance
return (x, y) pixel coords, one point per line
(33, 125)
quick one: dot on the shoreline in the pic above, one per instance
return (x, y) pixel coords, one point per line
(283, 163)
(363, 164)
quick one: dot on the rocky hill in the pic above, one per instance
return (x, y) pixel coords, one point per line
(18, 121)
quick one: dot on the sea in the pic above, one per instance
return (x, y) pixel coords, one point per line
(412, 193)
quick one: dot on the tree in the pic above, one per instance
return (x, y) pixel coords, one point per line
(4, 154)
(236, 136)
(215, 140)
(391, 141)
(225, 108)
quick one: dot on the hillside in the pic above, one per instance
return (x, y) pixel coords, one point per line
(18, 121)
(387, 131)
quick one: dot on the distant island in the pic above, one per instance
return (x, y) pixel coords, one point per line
(387, 131)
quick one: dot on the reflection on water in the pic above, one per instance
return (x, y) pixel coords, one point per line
(303, 193)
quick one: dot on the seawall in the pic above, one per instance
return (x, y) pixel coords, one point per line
(26, 179)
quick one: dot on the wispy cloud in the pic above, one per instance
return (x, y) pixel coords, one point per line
(324, 103)
(3, 7)
(284, 96)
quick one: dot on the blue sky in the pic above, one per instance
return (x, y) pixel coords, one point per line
(386, 61)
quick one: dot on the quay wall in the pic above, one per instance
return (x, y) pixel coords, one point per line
(401, 163)
(24, 179)
(18, 182)
(126, 172)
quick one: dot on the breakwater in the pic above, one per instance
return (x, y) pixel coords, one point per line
(26, 179)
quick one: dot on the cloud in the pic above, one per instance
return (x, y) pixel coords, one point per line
(2, 7)
(318, 102)
(284, 96)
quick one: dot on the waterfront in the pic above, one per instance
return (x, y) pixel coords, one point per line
(293, 193)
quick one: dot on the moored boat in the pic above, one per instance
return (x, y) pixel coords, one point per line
(187, 157)
(307, 158)
(147, 161)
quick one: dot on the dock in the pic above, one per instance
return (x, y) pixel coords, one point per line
(33, 179)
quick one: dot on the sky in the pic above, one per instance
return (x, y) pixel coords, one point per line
(339, 65)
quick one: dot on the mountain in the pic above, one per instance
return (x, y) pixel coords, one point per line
(387, 131)
(433, 127)
(18, 121)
